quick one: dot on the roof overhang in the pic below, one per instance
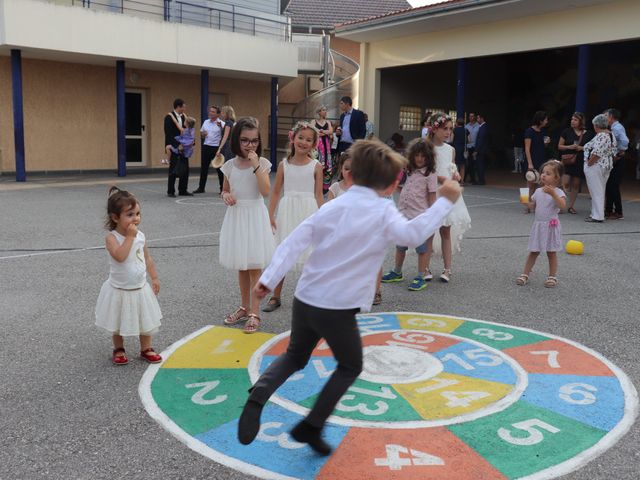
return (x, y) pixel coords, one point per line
(451, 14)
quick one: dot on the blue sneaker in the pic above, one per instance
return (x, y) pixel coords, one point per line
(418, 283)
(391, 276)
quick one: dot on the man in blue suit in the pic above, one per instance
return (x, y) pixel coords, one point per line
(482, 148)
(353, 125)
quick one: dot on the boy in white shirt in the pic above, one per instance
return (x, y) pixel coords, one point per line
(350, 236)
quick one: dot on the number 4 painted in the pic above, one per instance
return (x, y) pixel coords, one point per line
(394, 461)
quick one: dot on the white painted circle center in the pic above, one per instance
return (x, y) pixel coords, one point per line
(389, 364)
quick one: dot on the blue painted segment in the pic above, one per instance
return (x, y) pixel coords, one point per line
(582, 82)
(121, 119)
(460, 87)
(274, 449)
(370, 323)
(596, 401)
(475, 362)
(306, 382)
(18, 115)
(273, 127)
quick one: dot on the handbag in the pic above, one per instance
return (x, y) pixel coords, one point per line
(570, 158)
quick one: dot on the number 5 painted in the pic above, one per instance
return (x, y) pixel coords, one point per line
(535, 436)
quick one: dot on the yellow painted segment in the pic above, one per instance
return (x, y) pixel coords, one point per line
(449, 395)
(433, 323)
(218, 347)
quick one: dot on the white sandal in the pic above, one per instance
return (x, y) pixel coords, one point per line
(522, 279)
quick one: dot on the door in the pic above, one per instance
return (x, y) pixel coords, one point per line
(135, 106)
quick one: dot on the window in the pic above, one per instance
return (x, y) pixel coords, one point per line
(410, 118)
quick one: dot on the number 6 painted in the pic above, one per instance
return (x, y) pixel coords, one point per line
(529, 426)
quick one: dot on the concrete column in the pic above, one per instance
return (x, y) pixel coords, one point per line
(273, 127)
(582, 81)
(18, 114)
(121, 120)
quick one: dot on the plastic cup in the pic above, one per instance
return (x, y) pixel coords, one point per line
(524, 195)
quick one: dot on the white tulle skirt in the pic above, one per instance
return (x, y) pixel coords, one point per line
(459, 221)
(128, 312)
(246, 239)
(293, 209)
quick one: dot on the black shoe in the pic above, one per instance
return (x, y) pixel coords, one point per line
(249, 423)
(185, 194)
(200, 190)
(171, 195)
(305, 433)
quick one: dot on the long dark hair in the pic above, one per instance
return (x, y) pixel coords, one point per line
(245, 123)
(421, 146)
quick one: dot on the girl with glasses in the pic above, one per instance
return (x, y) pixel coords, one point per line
(246, 239)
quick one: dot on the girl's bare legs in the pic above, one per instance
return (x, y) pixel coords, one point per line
(278, 290)
(253, 276)
(445, 242)
(427, 256)
(145, 342)
(531, 261)
(244, 280)
(118, 342)
(553, 263)
(461, 171)
(566, 182)
(575, 186)
(423, 263)
(400, 256)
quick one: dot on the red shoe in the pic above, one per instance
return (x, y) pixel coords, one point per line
(119, 359)
(150, 355)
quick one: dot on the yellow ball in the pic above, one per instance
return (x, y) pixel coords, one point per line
(575, 247)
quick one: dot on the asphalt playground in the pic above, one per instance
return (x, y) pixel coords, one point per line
(67, 413)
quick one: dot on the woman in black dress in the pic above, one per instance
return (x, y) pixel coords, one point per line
(324, 147)
(535, 142)
(571, 145)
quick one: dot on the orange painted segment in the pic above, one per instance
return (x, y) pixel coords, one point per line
(556, 357)
(403, 454)
(321, 350)
(422, 341)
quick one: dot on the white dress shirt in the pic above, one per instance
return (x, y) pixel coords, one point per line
(350, 236)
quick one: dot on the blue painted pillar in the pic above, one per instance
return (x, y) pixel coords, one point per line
(462, 72)
(583, 78)
(273, 141)
(121, 119)
(18, 114)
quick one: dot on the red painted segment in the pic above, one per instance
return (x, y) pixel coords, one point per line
(423, 341)
(418, 454)
(557, 357)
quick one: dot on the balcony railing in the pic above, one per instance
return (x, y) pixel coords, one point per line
(223, 16)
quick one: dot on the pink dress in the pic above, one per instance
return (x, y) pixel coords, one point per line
(546, 232)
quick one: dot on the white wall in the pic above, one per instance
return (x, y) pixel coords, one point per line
(42, 26)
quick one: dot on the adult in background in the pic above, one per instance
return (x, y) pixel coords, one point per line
(173, 122)
(598, 161)
(325, 131)
(228, 116)
(535, 146)
(460, 139)
(352, 125)
(482, 149)
(517, 136)
(472, 127)
(571, 146)
(211, 131)
(369, 127)
(613, 199)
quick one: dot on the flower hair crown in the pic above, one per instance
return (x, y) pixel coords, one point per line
(302, 125)
(439, 121)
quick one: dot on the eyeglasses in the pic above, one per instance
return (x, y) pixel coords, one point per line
(245, 142)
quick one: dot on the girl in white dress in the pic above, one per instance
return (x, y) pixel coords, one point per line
(302, 178)
(246, 239)
(458, 221)
(345, 182)
(127, 305)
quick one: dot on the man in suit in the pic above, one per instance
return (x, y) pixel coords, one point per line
(353, 125)
(170, 132)
(482, 148)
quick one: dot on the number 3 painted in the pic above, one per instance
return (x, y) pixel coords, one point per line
(529, 426)
(282, 438)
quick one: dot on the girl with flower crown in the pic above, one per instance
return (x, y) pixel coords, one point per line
(301, 177)
(458, 221)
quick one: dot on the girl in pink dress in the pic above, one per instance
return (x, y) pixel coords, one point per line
(546, 232)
